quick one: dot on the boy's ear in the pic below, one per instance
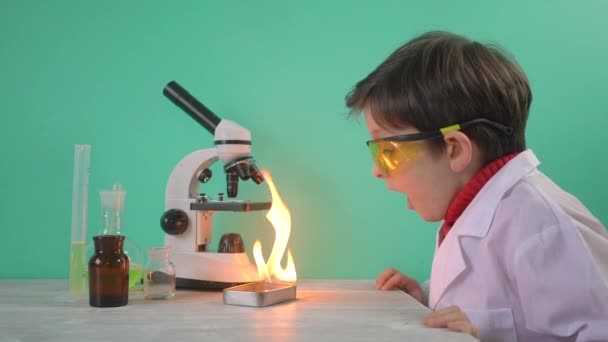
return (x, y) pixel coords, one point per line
(459, 150)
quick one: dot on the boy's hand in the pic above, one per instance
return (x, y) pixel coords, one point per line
(392, 279)
(451, 318)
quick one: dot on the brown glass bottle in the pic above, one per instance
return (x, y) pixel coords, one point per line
(108, 272)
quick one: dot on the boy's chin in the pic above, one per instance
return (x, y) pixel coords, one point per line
(426, 216)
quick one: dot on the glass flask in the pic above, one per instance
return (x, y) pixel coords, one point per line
(159, 274)
(113, 203)
(108, 272)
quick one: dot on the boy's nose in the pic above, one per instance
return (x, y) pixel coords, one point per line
(376, 171)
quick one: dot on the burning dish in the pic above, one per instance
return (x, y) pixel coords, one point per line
(277, 284)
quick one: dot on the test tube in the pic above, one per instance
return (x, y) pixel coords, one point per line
(80, 201)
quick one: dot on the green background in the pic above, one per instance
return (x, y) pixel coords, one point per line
(76, 72)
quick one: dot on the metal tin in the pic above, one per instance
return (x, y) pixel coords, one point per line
(259, 294)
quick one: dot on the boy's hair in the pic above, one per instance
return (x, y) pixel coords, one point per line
(439, 79)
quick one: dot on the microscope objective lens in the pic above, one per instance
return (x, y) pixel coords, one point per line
(232, 184)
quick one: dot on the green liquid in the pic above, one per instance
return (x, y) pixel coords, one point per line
(136, 272)
(78, 267)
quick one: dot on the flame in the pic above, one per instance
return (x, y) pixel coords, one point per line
(280, 218)
(259, 261)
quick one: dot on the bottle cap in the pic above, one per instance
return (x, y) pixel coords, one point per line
(113, 199)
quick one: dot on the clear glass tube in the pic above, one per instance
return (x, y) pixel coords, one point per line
(113, 204)
(80, 202)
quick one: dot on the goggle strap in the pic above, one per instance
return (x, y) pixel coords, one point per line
(503, 128)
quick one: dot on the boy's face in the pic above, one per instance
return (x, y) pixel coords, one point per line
(425, 178)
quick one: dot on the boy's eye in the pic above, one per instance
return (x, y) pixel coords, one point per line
(388, 152)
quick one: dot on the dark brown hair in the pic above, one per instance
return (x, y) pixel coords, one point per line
(439, 79)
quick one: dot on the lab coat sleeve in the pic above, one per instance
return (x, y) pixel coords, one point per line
(560, 290)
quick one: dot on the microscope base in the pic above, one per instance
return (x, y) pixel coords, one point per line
(194, 284)
(212, 271)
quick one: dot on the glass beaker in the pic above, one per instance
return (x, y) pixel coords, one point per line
(159, 274)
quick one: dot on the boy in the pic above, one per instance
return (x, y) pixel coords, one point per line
(517, 258)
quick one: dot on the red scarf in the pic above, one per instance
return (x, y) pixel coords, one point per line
(469, 191)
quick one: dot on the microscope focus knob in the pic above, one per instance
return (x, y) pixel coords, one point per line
(231, 243)
(174, 221)
(205, 176)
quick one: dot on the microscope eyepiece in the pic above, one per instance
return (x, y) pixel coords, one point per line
(189, 104)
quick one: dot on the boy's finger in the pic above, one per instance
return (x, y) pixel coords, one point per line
(461, 326)
(409, 285)
(441, 317)
(393, 282)
(452, 318)
(384, 276)
(443, 321)
(417, 295)
(442, 312)
(447, 311)
(465, 327)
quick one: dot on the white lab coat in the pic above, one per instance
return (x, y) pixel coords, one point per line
(525, 261)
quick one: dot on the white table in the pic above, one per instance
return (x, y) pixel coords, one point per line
(325, 310)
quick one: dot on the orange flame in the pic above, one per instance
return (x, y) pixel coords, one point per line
(280, 218)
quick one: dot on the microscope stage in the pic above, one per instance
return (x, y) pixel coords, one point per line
(230, 206)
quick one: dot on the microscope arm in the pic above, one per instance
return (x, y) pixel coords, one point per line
(182, 191)
(184, 178)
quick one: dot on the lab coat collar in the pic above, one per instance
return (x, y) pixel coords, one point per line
(475, 221)
(477, 217)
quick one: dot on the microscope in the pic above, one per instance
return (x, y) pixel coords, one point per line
(187, 220)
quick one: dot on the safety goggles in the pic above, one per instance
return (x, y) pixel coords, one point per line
(390, 153)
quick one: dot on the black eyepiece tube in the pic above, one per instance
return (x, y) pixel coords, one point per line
(192, 106)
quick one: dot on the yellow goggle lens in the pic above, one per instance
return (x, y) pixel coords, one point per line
(391, 155)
